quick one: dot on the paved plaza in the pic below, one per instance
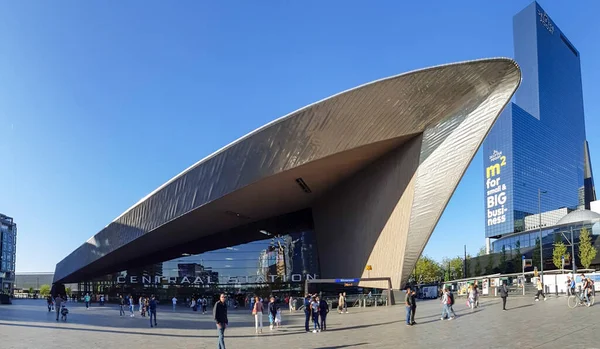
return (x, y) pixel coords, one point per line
(527, 324)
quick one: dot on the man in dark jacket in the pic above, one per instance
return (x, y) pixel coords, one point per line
(121, 305)
(220, 316)
(323, 311)
(408, 303)
(152, 310)
(306, 312)
(503, 294)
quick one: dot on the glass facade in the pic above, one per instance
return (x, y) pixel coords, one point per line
(277, 264)
(8, 253)
(538, 142)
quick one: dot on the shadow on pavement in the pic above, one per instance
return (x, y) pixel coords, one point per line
(343, 346)
(521, 306)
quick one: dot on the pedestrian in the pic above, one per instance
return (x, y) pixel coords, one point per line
(87, 301)
(446, 305)
(101, 300)
(152, 310)
(272, 310)
(141, 304)
(278, 317)
(314, 308)
(472, 296)
(540, 290)
(50, 304)
(408, 304)
(220, 317)
(121, 305)
(292, 300)
(131, 307)
(174, 300)
(306, 312)
(341, 303)
(451, 303)
(323, 311)
(345, 303)
(257, 311)
(204, 304)
(503, 294)
(58, 301)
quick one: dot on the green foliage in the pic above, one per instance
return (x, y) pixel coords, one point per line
(426, 270)
(489, 268)
(31, 290)
(68, 291)
(477, 268)
(559, 251)
(503, 260)
(45, 290)
(453, 268)
(481, 251)
(587, 251)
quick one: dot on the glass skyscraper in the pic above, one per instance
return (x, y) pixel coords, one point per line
(8, 252)
(535, 157)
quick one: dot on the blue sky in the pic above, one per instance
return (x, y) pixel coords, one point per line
(103, 101)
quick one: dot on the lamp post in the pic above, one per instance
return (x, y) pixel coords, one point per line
(540, 192)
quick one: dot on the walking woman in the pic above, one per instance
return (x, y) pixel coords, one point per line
(257, 311)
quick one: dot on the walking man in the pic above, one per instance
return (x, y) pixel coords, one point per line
(220, 317)
(58, 301)
(540, 290)
(503, 294)
(87, 301)
(345, 303)
(121, 305)
(446, 302)
(152, 310)
(174, 300)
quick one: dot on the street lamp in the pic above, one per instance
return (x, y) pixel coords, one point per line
(540, 192)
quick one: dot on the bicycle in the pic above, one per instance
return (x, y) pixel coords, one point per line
(576, 300)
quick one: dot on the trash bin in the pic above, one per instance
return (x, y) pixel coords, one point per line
(5, 299)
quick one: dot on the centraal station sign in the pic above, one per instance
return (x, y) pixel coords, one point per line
(208, 280)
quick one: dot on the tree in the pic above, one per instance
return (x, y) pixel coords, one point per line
(477, 269)
(481, 251)
(68, 291)
(587, 251)
(453, 268)
(536, 253)
(489, 268)
(558, 253)
(31, 290)
(517, 259)
(45, 290)
(503, 259)
(427, 270)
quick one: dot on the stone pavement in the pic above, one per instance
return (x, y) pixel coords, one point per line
(527, 324)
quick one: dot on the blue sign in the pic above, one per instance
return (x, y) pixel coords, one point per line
(341, 281)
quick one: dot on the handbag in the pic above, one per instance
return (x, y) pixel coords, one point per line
(254, 310)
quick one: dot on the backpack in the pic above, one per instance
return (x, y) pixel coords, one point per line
(450, 299)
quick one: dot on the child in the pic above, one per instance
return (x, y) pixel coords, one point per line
(63, 312)
(278, 317)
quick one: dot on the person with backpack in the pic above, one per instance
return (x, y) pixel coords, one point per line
(446, 303)
(451, 296)
(503, 294)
